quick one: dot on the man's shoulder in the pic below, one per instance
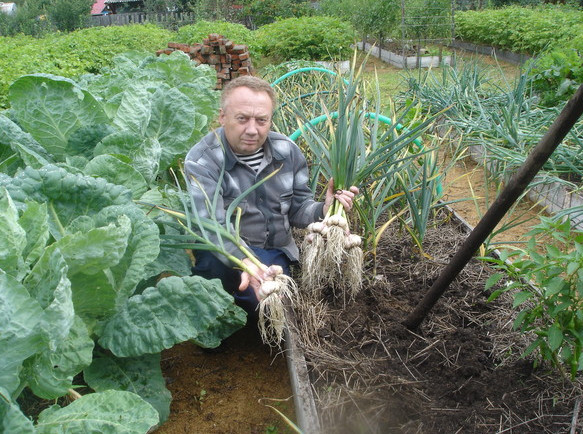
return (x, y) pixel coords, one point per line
(282, 144)
(208, 145)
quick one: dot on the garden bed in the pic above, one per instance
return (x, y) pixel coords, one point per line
(414, 60)
(553, 196)
(461, 371)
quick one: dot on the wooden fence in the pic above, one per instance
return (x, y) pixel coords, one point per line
(169, 19)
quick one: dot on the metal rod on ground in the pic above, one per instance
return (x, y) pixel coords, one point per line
(514, 188)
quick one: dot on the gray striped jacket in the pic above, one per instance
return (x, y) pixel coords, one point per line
(269, 212)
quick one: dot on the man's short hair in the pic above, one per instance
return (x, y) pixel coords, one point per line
(256, 84)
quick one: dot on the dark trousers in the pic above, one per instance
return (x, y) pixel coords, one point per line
(209, 266)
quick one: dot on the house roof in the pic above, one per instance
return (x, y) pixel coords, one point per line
(98, 7)
(120, 1)
(7, 8)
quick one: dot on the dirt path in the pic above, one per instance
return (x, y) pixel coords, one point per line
(228, 391)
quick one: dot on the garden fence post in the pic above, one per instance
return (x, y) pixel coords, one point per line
(515, 187)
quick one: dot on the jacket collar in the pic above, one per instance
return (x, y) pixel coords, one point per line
(271, 151)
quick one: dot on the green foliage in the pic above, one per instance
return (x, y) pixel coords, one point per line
(262, 12)
(518, 29)
(67, 15)
(38, 17)
(558, 72)
(77, 252)
(504, 119)
(550, 306)
(427, 19)
(367, 16)
(73, 54)
(306, 38)
(501, 3)
(29, 19)
(346, 138)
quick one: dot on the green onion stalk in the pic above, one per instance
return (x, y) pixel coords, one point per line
(207, 233)
(332, 254)
(352, 152)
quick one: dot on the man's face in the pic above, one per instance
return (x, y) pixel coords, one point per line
(246, 119)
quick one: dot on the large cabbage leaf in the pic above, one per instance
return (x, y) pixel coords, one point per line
(12, 420)
(112, 411)
(19, 148)
(20, 336)
(67, 195)
(52, 109)
(176, 310)
(52, 289)
(144, 153)
(107, 241)
(117, 171)
(141, 375)
(35, 222)
(143, 247)
(50, 373)
(12, 237)
(163, 113)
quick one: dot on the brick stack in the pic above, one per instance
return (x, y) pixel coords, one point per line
(229, 60)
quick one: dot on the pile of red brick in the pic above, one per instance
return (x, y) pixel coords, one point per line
(229, 60)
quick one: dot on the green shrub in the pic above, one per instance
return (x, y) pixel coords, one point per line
(67, 15)
(519, 29)
(550, 308)
(558, 73)
(306, 38)
(262, 12)
(75, 53)
(369, 17)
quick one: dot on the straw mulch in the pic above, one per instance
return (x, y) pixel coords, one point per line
(461, 371)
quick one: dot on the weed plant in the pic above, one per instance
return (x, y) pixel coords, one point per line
(547, 288)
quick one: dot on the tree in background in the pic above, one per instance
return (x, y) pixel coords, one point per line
(377, 18)
(261, 12)
(29, 18)
(39, 17)
(69, 15)
(158, 6)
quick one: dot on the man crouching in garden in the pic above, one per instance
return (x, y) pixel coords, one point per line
(252, 152)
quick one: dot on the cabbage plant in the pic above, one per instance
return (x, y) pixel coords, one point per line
(80, 262)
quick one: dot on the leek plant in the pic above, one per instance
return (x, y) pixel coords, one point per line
(207, 233)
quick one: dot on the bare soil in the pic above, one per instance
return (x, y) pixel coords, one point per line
(461, 371)
(228, 391)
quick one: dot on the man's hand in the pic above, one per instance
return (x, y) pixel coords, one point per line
(345, 197)
(253, 279)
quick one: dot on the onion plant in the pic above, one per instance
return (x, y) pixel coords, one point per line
(208, 233)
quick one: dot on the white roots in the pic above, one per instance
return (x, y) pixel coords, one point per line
(332, 257)
(273, 294)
